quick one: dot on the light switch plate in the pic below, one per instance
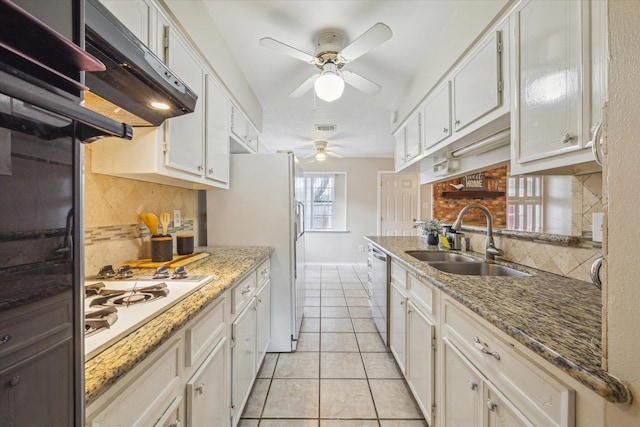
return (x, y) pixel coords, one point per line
(177, 218)
(597, 227)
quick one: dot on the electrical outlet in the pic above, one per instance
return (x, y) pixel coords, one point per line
(361, 248)
(177, 218)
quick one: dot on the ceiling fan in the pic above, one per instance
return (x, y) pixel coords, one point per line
(330, 56)
(321, 150)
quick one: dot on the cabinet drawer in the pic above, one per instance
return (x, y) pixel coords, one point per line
(242, 293)
(422, 294)
(542, 398)
(144, 401)
(398, 275)
(44, 322)
(204, 333)
(263, 273)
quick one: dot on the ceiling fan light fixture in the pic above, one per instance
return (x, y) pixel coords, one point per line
(329, 86)
(321, 156)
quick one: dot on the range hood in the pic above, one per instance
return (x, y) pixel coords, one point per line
(134, 77)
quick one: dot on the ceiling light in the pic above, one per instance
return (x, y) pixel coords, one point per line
(159, 105)
(321, 156)
(329, 86)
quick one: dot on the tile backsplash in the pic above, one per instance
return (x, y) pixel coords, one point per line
(113, 231)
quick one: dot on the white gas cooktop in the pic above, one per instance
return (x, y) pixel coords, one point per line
(130, 317)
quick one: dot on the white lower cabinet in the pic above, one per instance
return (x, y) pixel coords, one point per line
(243, 359)
(420, 359)
(207, 390)
(398, 325)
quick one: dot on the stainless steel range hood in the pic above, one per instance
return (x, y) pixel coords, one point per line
(134, 77)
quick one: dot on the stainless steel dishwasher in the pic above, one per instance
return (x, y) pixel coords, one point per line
(379, 290)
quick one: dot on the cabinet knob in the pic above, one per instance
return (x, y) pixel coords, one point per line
(457, 123)
(176, 423)
(491, 405)
(5, 339)
(14, 381)
(200, 168)
(445, 130)
(566, 138)
(210, 171)
(200, 388)
(472, 384)
(401, 302)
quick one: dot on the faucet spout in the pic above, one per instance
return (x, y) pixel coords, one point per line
(490, 250)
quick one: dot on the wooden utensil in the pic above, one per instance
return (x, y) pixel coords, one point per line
(153, 223)
(145, 218)
(164, 220)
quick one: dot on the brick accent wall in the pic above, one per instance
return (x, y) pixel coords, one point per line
(446, 208)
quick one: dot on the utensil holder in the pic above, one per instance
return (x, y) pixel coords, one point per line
(161, 248)
(184, 244)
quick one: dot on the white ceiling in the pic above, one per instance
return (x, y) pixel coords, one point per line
(363, 121)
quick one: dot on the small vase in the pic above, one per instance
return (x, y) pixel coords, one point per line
(432, 239)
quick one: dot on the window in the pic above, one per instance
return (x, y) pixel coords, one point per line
(325, 201)
(524, 203)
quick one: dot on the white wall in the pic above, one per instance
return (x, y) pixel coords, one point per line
(621, 292)
(362, 193)
(211, 44)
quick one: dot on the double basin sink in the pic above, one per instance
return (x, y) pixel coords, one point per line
(460, 264)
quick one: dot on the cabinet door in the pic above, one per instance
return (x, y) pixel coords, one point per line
(208, 392)
(477, 85)
(263, 314)
(217, 129)
(400, 147)
(134, 14)
(548, 75)
(243, 358)
(437, 116)
(462, 390)
(413, 137)
(39, 391)
(173, 416)
(420, 360)
(185, 134)
(500, 412)
(397, 325)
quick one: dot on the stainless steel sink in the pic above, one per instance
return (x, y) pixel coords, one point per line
(432, 256)
(477, 269)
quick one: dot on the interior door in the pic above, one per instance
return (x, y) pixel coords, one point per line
(398, 204)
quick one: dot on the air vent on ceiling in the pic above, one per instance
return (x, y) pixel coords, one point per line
(325, 128)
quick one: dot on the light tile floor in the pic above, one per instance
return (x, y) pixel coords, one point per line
(341, 375)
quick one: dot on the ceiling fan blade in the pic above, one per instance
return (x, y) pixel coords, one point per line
(304, 87)
(331, 153)
(308, 156)
(360, 83)
(371, 38)
(280, 47)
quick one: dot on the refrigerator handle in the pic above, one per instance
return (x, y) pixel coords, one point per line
(300, 219)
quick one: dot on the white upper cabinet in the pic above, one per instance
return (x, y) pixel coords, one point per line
(437, 116)
(217, 133)
(409, 141)
(242, 132)
(559, 75)
(185, 134)
(136, 15)
(477, 84)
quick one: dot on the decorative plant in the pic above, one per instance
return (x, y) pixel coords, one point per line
(430, 226)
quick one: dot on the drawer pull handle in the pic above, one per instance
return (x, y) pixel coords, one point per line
(176, 423)
(246, 291)
(5, 339)
(492, 405)
(472, 384)
(200, 388)
(482, 348)
(14, 381)
(265, 272)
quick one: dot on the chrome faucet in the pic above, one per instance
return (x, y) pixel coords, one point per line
(490, 250)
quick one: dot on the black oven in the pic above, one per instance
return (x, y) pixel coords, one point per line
(42, 128)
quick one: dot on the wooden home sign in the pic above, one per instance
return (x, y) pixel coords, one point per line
(474, 182)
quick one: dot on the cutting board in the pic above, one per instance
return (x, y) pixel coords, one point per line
(177, 261)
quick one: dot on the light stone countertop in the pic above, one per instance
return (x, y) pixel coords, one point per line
(558, 318)
(226, 264)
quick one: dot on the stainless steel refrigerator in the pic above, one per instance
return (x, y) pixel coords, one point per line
(263, 208)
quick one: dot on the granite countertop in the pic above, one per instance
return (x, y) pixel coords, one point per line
(559, 318)
(227, 264)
